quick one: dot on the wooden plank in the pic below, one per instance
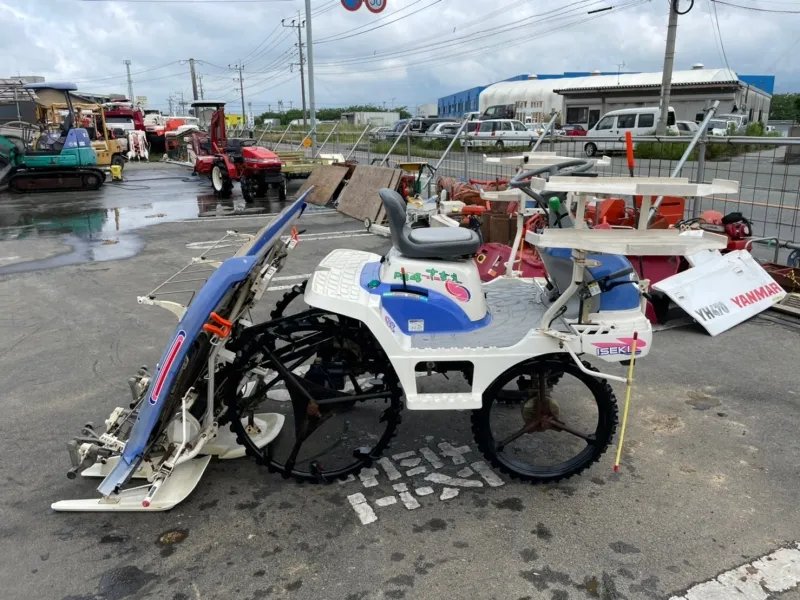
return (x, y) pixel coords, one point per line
(326, 180)
(360, 199)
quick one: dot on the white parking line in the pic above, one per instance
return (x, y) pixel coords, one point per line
(774, 573)
(251, 217)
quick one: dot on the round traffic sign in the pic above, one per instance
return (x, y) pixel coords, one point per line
(375, 6)
(352, 4)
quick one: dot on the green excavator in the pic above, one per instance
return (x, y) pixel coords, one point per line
(51, 160)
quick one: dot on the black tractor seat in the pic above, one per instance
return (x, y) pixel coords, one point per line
(429, 242)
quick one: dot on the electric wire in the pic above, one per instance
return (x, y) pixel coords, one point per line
(341, 36)
(758, 9)
(423, 46)
(719, 32)
(471, 40)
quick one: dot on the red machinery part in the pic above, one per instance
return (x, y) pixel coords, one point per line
(492, 259)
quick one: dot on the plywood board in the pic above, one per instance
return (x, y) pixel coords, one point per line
(360, 199)
(326, 180)
(381, 216)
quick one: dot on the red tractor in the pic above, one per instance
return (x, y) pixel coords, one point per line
(227, 160)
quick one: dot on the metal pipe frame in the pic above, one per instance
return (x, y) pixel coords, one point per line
(397, 139)
(358, 141)
(330, 133)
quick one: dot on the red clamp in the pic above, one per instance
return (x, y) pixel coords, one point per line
(218, 326)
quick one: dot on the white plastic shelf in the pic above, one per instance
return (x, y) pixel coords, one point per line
(539, 159)
(509, 195)
(629, 242)
(640, 186)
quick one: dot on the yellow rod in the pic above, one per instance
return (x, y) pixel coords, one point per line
(627, 401)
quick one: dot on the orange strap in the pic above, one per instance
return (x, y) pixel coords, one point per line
(221, 327)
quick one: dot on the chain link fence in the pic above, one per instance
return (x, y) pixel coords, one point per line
(767, 168)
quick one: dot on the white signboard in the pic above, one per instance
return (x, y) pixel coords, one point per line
(141, 101)
(721, 291)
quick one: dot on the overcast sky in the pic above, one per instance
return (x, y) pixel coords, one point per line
(418, 50)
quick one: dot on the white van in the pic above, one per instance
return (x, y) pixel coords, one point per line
(639, 121)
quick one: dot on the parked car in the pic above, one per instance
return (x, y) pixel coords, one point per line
(639, 121)
(380, 133)
(721, 127)
(396, 129)
(422, 124)
(501, 133)
(538, 128)
(687, 127)
(446, 128)
(499, 111)
(574, 130)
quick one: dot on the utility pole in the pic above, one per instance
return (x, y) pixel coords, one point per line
(669, 59)
(194, 78)
(240, 67)
(130, 82)
(249, 112)
(170, 105)
(302, 62)
(311, 101)
(182, 103)
(200, 78)
(290, 105)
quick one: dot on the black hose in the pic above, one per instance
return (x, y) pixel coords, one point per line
(675, 7)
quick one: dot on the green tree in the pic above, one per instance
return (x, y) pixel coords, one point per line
(328, 114)
(785, 107)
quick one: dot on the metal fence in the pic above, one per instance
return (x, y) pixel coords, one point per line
(769, 181)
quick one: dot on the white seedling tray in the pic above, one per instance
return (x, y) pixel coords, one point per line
(638, 186)
(629, 242)
(538, 159)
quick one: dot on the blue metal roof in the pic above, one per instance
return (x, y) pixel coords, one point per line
(766, 83)
(63, 86)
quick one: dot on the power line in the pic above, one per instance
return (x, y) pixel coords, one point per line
(460, 55)
(123, 76)
(383, 18)
(714, 31)
(719, 32)
(470, 39)
(335, 38)
(187, 1)
(755, 8)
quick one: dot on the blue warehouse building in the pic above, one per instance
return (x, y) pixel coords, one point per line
(458, 104)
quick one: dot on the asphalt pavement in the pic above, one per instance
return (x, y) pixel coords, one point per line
(708, 480)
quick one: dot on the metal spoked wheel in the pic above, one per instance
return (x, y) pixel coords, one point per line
(545, 420)
(355, 406)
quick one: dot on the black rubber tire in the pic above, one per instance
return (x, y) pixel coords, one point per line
(248, 188)
(282, 190)
(604, 433)
(118, 160)
(260, 187)
(499, 145)
(590, 149)
(226, 188)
